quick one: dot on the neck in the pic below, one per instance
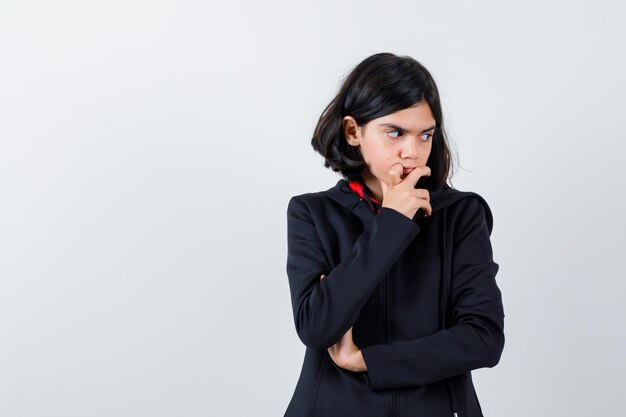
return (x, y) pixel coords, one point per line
(372, 184)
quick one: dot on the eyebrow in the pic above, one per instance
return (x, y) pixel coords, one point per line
(403, 130)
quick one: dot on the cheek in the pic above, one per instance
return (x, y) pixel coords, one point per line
(378, 158)
(380, 164)
(429, 151)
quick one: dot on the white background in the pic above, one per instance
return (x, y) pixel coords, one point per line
(148, 150)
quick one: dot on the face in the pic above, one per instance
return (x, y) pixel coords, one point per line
(403, 137)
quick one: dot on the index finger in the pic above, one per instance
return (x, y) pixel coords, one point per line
(413, 177)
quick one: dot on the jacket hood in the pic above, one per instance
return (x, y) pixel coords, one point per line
(440, 198)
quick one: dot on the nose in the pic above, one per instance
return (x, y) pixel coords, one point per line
(410, 150)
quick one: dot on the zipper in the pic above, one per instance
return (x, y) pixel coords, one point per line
(451, 382)
(395, 412)
(394, 402)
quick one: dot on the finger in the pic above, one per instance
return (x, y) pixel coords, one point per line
(322, 277)
(414, 176)
(423, 194)
(395, 174)
(428, 211)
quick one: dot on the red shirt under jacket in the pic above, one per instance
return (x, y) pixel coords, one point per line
(358, 187)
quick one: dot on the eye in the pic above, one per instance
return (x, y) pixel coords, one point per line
(425, 136)
(394, 131)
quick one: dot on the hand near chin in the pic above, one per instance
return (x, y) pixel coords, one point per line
(345, 353)
(400, 193)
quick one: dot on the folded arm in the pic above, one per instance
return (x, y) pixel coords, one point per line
(476, 339)
(324, 311)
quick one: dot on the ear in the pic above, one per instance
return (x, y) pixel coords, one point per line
(351, 131)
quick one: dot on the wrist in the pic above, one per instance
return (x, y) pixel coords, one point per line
(360, 362)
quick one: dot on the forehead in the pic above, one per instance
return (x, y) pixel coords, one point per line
(414, 118)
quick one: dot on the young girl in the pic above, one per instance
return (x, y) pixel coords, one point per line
(391, 273)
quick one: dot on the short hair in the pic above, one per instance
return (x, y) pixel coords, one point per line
(381, 84)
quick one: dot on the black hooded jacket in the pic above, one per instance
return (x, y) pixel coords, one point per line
(420, 294)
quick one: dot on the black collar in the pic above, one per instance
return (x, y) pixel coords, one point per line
(440, 198)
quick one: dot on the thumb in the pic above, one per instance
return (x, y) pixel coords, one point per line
(395, 174)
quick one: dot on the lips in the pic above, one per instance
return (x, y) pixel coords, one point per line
(407, 170)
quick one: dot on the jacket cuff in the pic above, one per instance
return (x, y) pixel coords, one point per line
(400, 220)
(374, 375)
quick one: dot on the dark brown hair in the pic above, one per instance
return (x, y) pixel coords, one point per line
(381, 84)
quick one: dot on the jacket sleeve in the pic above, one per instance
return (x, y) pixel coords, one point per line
(476, 339)
(323, 311)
